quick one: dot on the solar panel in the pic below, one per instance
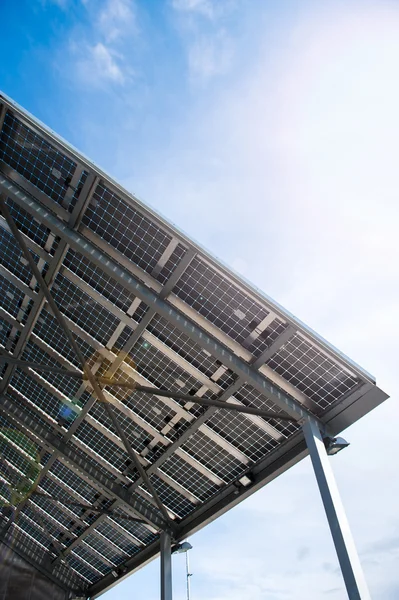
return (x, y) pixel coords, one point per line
(166, 331)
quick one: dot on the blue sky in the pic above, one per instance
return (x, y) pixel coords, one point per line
(267, 131)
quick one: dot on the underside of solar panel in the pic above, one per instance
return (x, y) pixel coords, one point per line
(112, 436)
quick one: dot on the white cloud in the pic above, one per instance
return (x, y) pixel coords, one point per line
(206, 8)
(209, 56)
(116, 19)
(99, 65)
(208, 45)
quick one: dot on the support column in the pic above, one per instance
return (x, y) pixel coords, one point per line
(166, 566)
(344, 544)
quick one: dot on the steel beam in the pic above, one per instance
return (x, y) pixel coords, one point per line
(90, 376)
(83, 465)
(272, 349)
(352, 572)
(124, 277)
(166, 565)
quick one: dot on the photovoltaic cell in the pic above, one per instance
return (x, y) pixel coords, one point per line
(12, 259)
(183, 346)
(98, 280)
(48, 330)
(10, 297)
(83, 310)
(5, 330)
(116, 537)
(219, 300)
(101, 446)
(112, 554)
(311, 371)
(66, 385)
(189, 477)
(253, 441)
(35, 159)
(77, 191)
(250, 397)
(267, 337)
(215, 458)
(33, 229)
(125, 228)
(170, 265)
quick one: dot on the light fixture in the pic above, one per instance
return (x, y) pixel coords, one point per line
(334, 445)
(180, 548)
(245, 480)
(183, 548)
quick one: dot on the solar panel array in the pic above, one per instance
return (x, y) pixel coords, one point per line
(76, 520)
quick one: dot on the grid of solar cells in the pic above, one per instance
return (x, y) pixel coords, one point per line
(267, 337)
(189, 477)
(51, 487)
(48, 330)
(101, 446)
(82, 552)
(10, 297)
(219, 301)
(98, 280)
(32, 528)
(138, 530)
(123, 338)
(183, 346)
(311, 371)
(11, 257)
(51, 509)
(36, 394)
(19, 467)
(79, 187)
(138, 437)
(20, 541)
(126, 229)
(83, 310)
(77, 484)
(67, 385)
(161, 371)
(249, 396)
(29, 409)
(140, 312)
(85, 457)
(82, 568)
(49, 527)
(35, 159)
(33, 229)
(116, 537)
(5, 330)
(172, 499)
(112, 553)
(171, 264)
(151, 409)
(215, 458)
(253, 441)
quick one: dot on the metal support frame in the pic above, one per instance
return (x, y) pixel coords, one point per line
(166, 565)
(352, 572)
(76, 241)
(109, 382)
(87, 371)
(246, 370)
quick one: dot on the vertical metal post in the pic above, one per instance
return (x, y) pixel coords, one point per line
(352, 571)
(166, 566)
(188, 575)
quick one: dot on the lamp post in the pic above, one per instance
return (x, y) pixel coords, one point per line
(184, 547)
